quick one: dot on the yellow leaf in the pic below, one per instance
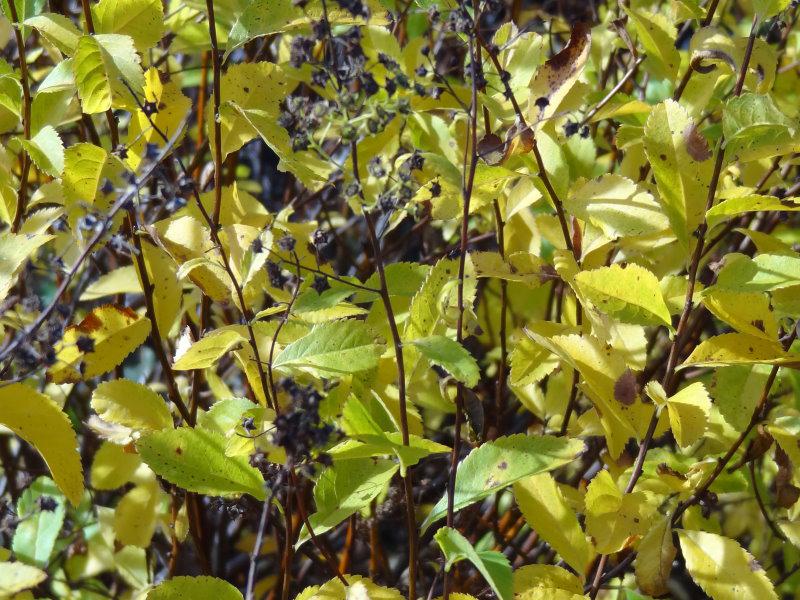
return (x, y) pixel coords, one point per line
(747, 312)
(167, 291)
(130, 404)
(359, 588)
(206, 351)
(136, 514)
(613, 519)
(143, 20)
(38, 420)
(688, 413)
(115, 332)
(546, 582)
(547, 512)
(654, 560)
(738, 349)
(723, 569)
(556, 77)
(113, 466)
(14, 251)
(16, 577)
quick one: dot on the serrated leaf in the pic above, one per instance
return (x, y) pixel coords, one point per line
(629, 293)
(102, 63)
(737, 391)
(688, 413)
(345, 488)
(682, 180)
(206, 351)
(749, 203)
(130, 404)
(57, 29)
(38, 420)
(15, 249)
(494, 566)
(16, 577)
(142, 20)
(499, 463)
(546, 511)
(614, 520)
(116, 332)
(46, 150)
(722, 568)
(738, 349)
(451, 356)
(84, 164)
(558, 75)
(654, 558)
(335, 348)
(747, 312)
(167, 292)
(194, 588)
(657, 35)
(195, 460)
(750, 121)
(617, 206)
(358, 588)
(764, 273)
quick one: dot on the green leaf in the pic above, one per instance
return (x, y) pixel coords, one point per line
(737, 391)
(452, 356)
(142, 20)
(499, 463)
(130, 404)
(195, 460)
(722, 568)
(682, 179)
(38, 529)
(546, 511)
(751, 121)
(494, 566)
(46, 150)
(194, 588)
(357, 588)
(629, 293)
(768, 8)
(345, 488)
(764, 273)
(335, 348)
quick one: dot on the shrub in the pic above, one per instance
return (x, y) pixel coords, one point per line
(399, 298)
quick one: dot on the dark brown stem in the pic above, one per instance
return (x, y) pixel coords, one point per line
(217, 91)
(22, 193)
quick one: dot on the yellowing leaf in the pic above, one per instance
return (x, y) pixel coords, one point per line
(136, 514)
(114, 331)
(738, 349)
(113, 466)
(143, 20)
(546, 582)
(654, 559)
(38, 420)
(629, 293)
(166, 289)
(558, 75)
(657, 35)
(101, 64)
(747, 312)
(14, 251)
(84, 164)
(359, 588)
(749, 203)
(688, 413)
(499, 463)
(617, 206)
(613, 519)
(57, 29)
(16, 577)
(723, 569)
(46, 150)
(130, 404)
(682, 180)
(206, 351)
(546, 511)
(452, 356)
(196, 588)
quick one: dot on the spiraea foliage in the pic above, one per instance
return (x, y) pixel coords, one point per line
(399, 299)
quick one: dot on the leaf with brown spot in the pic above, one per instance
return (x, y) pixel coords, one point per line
(696, 143)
